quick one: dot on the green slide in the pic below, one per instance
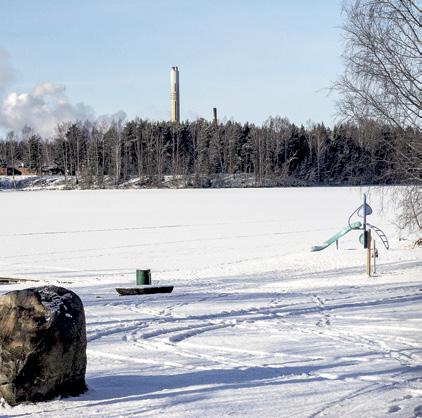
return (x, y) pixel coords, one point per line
(334, 238)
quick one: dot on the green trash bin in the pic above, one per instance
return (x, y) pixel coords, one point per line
(143, 277)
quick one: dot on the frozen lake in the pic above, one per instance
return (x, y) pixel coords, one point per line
(257, 325)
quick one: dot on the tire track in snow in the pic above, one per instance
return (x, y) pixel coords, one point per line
(122, 326)
(276, 310)
(171, 345)
(196, 331)
(129, 359)
(350, 397)
(174, 333)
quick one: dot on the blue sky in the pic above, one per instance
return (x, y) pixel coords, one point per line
(249, 58)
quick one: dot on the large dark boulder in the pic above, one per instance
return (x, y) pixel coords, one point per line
(42, 344)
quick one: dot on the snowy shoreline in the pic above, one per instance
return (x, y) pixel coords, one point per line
(229, 181)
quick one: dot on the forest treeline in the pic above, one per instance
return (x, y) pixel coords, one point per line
(278, 153)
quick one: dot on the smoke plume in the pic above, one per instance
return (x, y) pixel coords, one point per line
(43, 108)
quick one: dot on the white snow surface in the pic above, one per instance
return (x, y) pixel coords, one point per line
(257, 325)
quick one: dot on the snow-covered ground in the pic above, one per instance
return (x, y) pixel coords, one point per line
(257, 325)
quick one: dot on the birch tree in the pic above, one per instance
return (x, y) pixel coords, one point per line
(382, 81)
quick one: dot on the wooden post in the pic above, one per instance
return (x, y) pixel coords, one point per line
(368, 254)
(365, 237)
(374, 255)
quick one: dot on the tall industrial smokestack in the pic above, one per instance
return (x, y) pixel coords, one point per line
(174, 95)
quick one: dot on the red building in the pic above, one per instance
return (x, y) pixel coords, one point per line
(10, 171)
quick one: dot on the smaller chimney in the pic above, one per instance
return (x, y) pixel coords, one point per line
(214, 111)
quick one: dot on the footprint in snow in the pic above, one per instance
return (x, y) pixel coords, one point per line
(393, 408)
(418, 411)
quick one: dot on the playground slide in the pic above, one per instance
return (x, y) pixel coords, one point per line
(334, 238)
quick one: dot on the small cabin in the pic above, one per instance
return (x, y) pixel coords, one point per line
(51, 170)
